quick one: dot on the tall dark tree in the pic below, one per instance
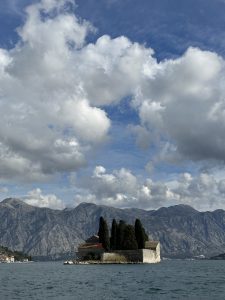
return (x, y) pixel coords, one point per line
(146, 236)
(100, 229)
(120, 234)
(113, 238)
(129, 241)
(140, 234)
(103, 234)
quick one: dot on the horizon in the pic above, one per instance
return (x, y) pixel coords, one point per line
(116, 104)
(108, 206)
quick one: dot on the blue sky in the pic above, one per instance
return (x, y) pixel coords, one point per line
(169, 27)
(113, 102)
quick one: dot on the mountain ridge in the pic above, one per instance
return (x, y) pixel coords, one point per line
(44, 232)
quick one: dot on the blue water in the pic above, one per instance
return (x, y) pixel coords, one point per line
(175, 279)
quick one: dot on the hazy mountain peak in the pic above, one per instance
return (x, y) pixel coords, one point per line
(86, 205)
(180, 209)
(14, 202)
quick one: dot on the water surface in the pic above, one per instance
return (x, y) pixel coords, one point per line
(174, 279)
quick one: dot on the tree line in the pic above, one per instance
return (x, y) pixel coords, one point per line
(123, 236)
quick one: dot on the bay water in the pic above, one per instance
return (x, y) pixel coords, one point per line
(171, 279)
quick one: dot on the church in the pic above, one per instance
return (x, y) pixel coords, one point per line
(93, 251)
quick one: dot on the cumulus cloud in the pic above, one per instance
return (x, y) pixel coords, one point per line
(37, 198)
(121, 188)
(203, 191)
(54, 87)
(114, 69)
(184, 104)
(47, 122)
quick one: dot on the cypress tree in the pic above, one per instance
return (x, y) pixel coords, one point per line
(120, 234)
(100, 230)
(103, 234)
(129, 241)
(146, 236)
(106, 241)
(140, 234)
(113, 239)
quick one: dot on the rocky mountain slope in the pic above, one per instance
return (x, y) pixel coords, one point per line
(42, 232)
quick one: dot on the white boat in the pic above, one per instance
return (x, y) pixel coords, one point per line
(68, 262)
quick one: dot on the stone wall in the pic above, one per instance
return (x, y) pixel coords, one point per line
(112, 257)
(126, 255)
(141, 255)
(150, 256)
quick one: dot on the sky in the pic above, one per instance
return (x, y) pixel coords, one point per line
(118, 103)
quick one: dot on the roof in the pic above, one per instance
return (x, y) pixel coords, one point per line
(90, 246)
(93, 239)
(151, 244)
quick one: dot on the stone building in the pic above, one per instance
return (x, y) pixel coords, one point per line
(151, 254)
(90, 250)
(93, 250)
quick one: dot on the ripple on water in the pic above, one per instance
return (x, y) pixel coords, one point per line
(167, 280)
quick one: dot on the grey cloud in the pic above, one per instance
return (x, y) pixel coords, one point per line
(121, 188)
(37, 198)
(54, 85)
(183, 104)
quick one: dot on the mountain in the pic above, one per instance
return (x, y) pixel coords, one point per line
(43, 232)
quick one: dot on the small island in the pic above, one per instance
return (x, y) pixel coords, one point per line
(126, 244)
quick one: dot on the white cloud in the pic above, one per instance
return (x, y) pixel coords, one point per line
(184, 104)
(113, 68)
(37, 198)
(53, 86)
(123, 189)
(47, 123)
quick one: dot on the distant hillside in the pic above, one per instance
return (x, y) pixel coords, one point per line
(42, 232)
